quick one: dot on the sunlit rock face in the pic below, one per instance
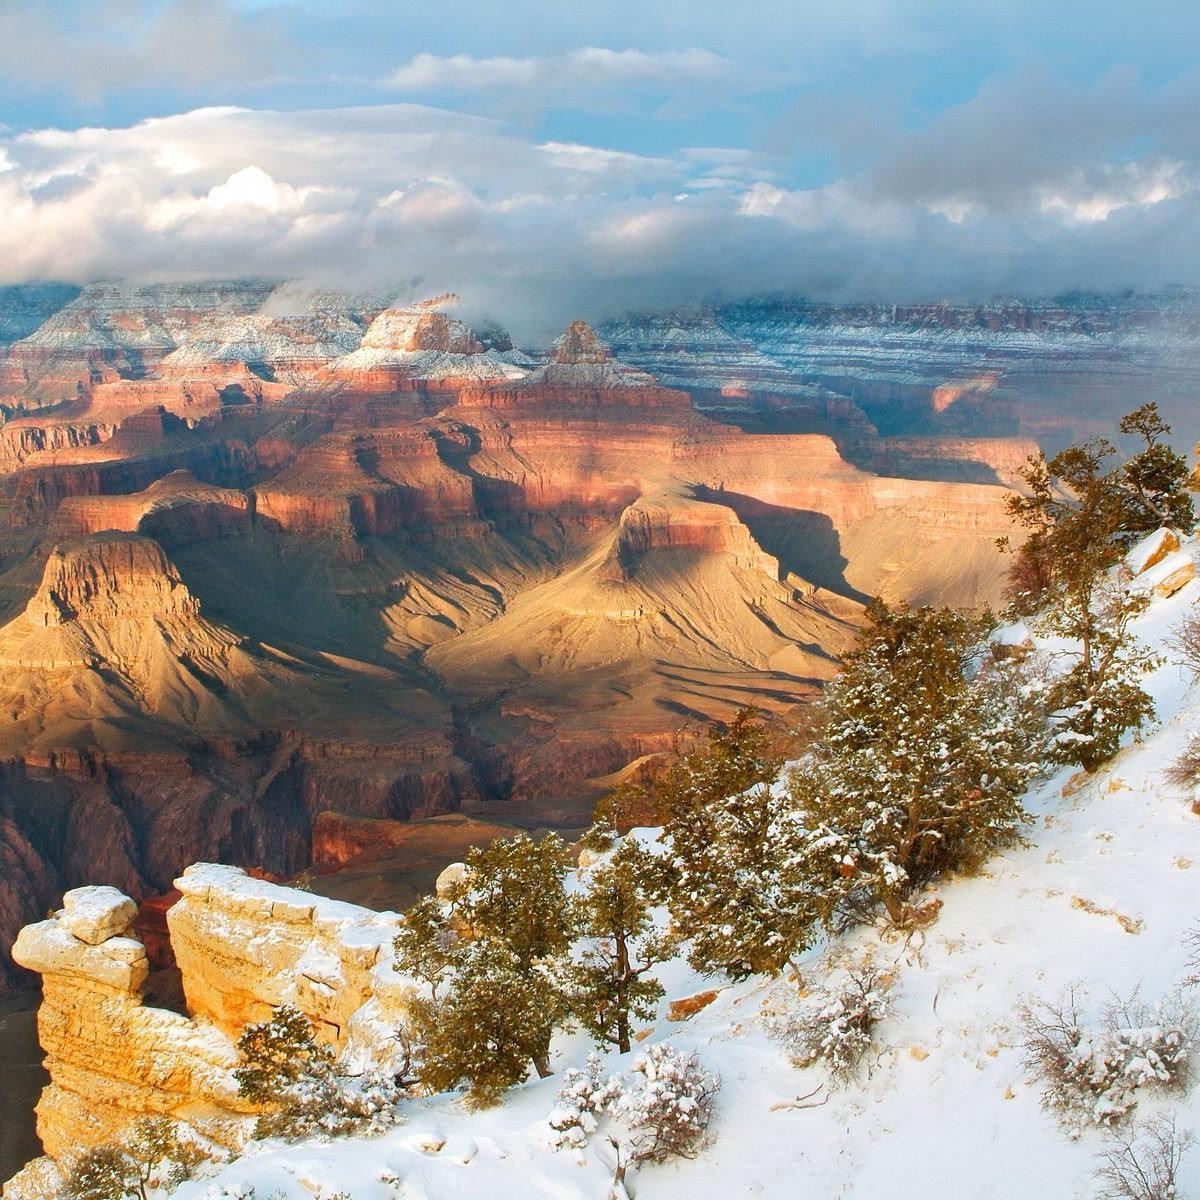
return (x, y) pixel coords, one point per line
(243, 947)
(282, 554)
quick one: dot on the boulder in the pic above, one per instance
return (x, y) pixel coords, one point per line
(450, 879)
(1151, 550)
(95, 914)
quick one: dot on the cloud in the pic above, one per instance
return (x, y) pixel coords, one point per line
(591, 76)
(1105, 195)
(92, 48)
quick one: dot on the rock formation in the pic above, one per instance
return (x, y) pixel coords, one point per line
(266, 556)
(243, 947)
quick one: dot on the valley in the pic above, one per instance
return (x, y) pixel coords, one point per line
(281, 569)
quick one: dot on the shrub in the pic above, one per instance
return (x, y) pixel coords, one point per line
(660, 1110)
(839, 1028)
(1095, 1075)
(670, 1105)
(1185, 641)
(304, 1089)
(1184, 772)
(153, 1154)
(1144, 1165)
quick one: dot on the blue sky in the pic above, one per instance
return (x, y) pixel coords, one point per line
(576, 152)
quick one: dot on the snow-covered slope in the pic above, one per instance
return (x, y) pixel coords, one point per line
(1103, 896)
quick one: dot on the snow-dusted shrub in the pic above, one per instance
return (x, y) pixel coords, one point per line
(583, 1099)
(1185, 641)
(304, 1089)
(1094, 1075)
(153, 1153)
(1184, 772)
(669, 1106)
(839, 1027)
(1144, 1164)
(659, 1109)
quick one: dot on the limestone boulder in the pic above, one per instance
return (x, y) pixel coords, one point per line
(95, 914)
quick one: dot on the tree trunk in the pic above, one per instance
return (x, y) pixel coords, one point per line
(541, 1063)
(621, 990)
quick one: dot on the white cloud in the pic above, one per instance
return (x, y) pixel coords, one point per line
(591, 76)
(368, 197)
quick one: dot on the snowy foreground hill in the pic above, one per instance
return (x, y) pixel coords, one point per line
(1102, 897)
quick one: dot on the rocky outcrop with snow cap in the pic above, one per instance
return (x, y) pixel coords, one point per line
(243, 946)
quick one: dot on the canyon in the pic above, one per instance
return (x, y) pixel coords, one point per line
(286, 573)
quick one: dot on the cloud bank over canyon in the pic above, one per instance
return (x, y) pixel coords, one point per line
(542, 183)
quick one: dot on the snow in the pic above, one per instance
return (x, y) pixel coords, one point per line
(1174, 567)
(1101, 897)
(1154, 545)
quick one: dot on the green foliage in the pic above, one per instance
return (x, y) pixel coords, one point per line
(153, 1154)
(1156, 478)
(731, 843)
(496, 977)
(514, 894)
(1081, 513)
(921, 767)
(103, 1173)
(424, 947)
(494, 1018)
(297, 1081)
(608, 982)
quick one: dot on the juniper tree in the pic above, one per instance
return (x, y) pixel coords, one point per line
(730, 840)
(425, 948)
(152, 1154)
(609, 981)
(1079, 511)
(921, 765)
(514, 894)
(494, 1017)
(300, 1085)
(103, 1173)
(508, 950)
(1156, 479)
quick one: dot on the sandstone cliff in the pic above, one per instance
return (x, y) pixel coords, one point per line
(243, 946)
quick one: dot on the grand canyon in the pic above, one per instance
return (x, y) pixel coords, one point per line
(295, 579)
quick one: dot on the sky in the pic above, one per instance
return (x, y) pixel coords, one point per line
(539, 158)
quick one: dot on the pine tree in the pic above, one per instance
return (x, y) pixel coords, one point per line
(921, 765)
(1156, 478)
(493, 1019)
(730, 840)
(514, 895)
(609, 981)
(1081, 513)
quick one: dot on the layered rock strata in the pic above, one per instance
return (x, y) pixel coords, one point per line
(243, 947)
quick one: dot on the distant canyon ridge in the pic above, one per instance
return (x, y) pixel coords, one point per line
(283, 571)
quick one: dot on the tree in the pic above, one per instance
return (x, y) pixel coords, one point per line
(1156, 478)
(730, 840)
(493, 1019)
(425, 948)
(301, 1086)
(103, 1173)
(514, 895)
(1079, 512)
(152, 1153)
(609, 982)
(921, 767)
(497, 978)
